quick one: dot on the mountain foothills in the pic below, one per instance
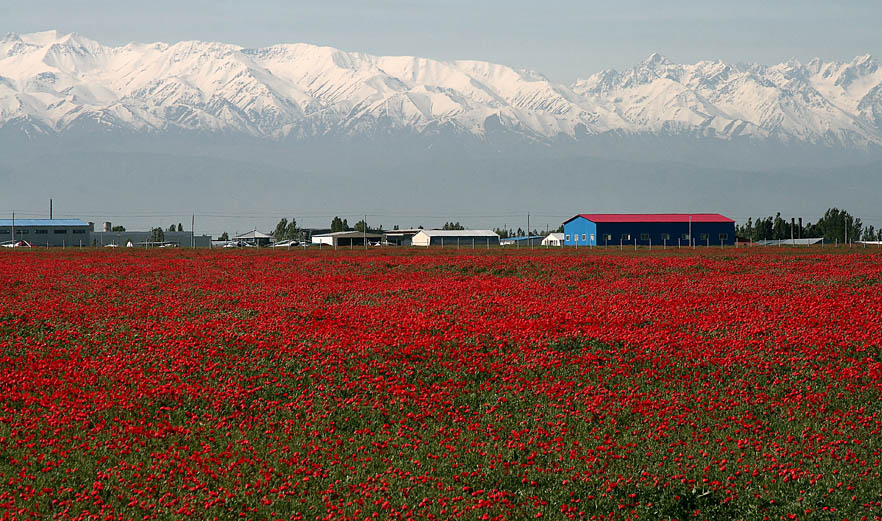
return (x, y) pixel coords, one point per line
(52, 84)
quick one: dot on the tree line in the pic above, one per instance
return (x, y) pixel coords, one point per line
(158, 234)
(505, 233)
(834, 226)
(342, 225)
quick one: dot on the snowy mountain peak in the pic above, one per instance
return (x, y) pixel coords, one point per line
(59, 82)
(655, 59)
(41, 38)
(865, 60)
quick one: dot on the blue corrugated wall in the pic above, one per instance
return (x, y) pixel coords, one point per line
(580, 232)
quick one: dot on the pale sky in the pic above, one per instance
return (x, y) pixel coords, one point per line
(564, 39)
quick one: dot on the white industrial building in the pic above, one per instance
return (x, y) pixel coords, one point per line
(401, 237)
(254, 238)
(553, 239)
(456, 238)
(350, 238)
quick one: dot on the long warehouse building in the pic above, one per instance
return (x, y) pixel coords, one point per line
(46, 232)
(701, 229)
(461, 238)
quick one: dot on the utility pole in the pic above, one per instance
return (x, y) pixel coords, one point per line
(13, 227)
(690, 228)
(193, 231)
(529, 234)
(364, 231)
(50, 208)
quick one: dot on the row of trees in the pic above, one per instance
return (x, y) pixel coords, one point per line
(286, 231)
(157, 234)
(834, 226)
(505, 233)
(339, 225)
(342, 225)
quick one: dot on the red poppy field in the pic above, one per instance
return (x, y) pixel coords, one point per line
(441, 385)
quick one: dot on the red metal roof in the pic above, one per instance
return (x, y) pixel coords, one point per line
(654, 217)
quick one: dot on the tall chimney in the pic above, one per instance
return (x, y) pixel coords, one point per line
(50, 208)
(107, 226)
(800, 227)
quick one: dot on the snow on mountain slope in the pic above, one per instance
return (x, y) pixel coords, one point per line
(815, 103)
(50, 82)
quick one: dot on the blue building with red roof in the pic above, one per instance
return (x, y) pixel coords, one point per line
(599, 229)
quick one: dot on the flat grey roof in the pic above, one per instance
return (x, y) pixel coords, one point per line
(253, 234)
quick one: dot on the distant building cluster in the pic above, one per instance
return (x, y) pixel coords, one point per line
(586, 230)
(78, 233)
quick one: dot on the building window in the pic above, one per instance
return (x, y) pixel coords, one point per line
(608, 237)
(584, 238)
(22, 232)
(724, 236)
(703, 236)
(644, 236)
(4, 232)
(685, 236)
(567, 237)
(626, 237)
(666, 236)
(79, 231)
(59, 232)
(41, 232)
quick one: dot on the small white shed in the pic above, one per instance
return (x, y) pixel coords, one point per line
(553, 239)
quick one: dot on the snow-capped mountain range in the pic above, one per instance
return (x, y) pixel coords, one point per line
(52, 83)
